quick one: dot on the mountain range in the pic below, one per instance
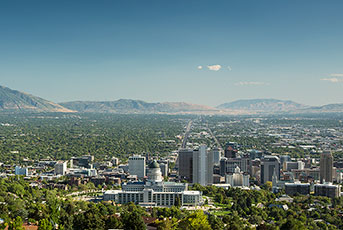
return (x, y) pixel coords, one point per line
(16, 101)
(262, 105)
(135, 106)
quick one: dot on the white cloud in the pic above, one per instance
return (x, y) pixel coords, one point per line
(251, 83)
(336, 75)
(214, 67)
(332, 79)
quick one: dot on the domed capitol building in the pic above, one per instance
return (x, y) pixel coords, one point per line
(155, 191)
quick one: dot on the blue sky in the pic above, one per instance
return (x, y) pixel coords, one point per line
(205, 52)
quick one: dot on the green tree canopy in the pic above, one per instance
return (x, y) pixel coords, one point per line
(195, 221)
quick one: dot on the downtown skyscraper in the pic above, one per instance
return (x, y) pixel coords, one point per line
(326, 167)
(203, 166)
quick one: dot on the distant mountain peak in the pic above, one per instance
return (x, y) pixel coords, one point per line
(14, 101)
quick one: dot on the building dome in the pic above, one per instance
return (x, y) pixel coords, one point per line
(154, 165)
(154, 173)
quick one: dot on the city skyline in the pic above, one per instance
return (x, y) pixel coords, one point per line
(196, 51)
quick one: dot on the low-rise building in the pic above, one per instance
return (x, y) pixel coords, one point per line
(21, 171)
(61, 168)
(298, 165)
(297, 188)
(82, 162)
(301, 174)
(327, 189)
(82, 172)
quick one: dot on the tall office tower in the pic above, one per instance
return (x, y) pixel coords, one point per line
(216, 156)
(326, 167)
(231, 150)
(202, 166)
(269, 164)
(185, 159)
(137, 166)
(228, 165)
(61, 168)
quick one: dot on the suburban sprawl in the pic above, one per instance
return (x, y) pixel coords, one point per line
(136, 171)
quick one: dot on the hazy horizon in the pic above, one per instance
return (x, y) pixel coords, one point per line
(200, 52)
(138, 99)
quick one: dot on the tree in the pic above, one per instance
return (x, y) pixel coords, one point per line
(206, 201)
(255, 219)
(44, 224)
(219, 198)
(195, 221)
(3, 226)
(215, 222)
(16, 224)
(166, 224)
(113, 222)
(132, 220)
(292, 224)
(177, 202)
(233, 221)
(17, 189)
(266, 226)
(269, 185)
(89, 220)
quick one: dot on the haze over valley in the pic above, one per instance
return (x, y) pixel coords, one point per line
(16, 101)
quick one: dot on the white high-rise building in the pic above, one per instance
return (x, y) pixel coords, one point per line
(216, 156)
(203, 166)
(61, 168)
(137, 166)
